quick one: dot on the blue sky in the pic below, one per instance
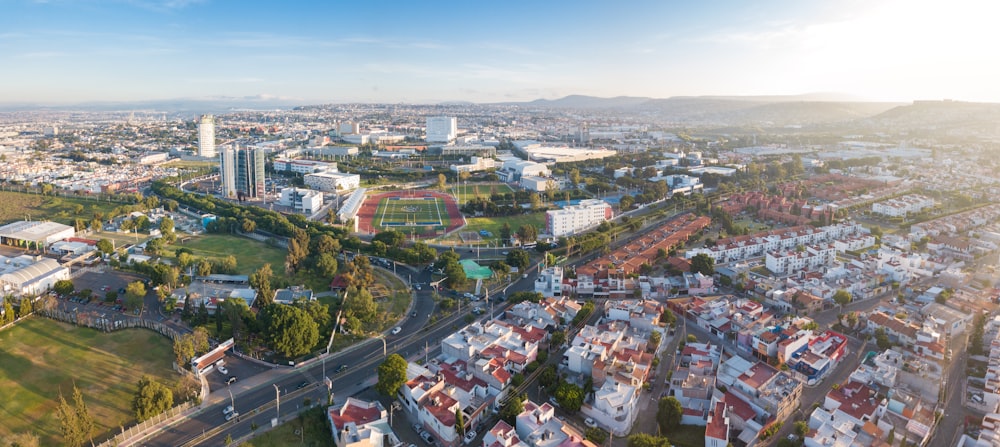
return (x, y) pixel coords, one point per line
(65, 51)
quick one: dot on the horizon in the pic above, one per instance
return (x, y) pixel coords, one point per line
(72, 53)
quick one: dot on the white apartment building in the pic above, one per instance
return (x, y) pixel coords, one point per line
(791, 261)
(305, 201)
(206, 136)
(332, 181)
(303, 166)
(477, 164)
(902, 206)
(441, 129)
(573, 219)
(754, 246)
(549, 282)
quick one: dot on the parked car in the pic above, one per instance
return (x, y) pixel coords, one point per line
(397, 330)
(418, 428)
(427, 437)
(470, 436)
(227, 410)
(231, 380)
(223, 370)
(590, 422)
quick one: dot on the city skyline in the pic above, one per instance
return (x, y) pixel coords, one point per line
(68, 52)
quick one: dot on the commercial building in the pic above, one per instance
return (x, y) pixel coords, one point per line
(305, 201)
(441, 129)
(575, 218)
(33, 279)
(477, 164)
(333, 181)
(303, 166)
(34, 234)
(206, 136)
(242, 173)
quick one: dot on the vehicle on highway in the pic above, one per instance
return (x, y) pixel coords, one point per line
(341, 368)
(470, 436)
(302, 385)
(413, 314)
(397, 330)
(232, 415)
(231, 380)
(227, 410)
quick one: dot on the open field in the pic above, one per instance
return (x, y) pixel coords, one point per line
(19, 206)
(312, 431)
(191, 164)
(250, 254)
(402, 212)
(493, 224)
(40, 358)
(464, 193)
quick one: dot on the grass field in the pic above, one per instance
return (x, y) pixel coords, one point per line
(250, 254)
(18, 206)
(464, 193)
(687, 436)
(311, 426)
(40, 358)
(493, 224)
(402, 212)
(191, 164)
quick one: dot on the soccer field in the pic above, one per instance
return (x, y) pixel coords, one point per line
(411, 211)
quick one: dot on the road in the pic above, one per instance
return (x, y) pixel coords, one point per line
(260, 393)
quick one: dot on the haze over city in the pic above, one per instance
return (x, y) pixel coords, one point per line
(61, 52)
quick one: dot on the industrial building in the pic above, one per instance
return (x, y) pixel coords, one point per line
(34, 234)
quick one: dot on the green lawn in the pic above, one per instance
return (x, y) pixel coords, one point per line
(19, 206)
(393, 212)
(687, 436)
(191, 164)
(250, 254)
(465, 193)
(493, 224)
(40, 358)
(311, 427)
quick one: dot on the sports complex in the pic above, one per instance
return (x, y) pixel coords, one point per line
(420, 213)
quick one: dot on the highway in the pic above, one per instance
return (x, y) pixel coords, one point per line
(209, 426)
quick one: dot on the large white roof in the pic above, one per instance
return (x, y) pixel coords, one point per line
(32, 230)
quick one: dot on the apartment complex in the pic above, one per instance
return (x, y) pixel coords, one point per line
(573, 219)
(242, 173)
(206, 136)
(441, 129)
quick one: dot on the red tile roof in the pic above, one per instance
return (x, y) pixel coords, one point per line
(717, 427)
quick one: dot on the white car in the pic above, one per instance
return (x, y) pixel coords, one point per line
(470, 436)
(590, 422)
(227, 410)
(232, 415)
(397, 330)
(223, 370)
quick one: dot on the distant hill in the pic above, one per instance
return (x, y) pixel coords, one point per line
(937, 118)
(179, 105)
(809, 109)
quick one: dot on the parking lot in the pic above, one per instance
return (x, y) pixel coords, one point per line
(235, 367)
(102, 283)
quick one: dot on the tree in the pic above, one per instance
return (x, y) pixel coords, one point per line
(513, 407)
(183, 349)
(326, 265)
(391, 238)
(391, 375)
(360, 304)
(505, 233)
(8, 309)
(535, 200)
(261, 282)
(647, 440)
(456, 275)
(25, 308)
(85, 422)
(290, 331)
(185, 260)
(842, 297)
(151, 399)
(166, 225)
(557, 338)
(69, 423)
(574, 177)
(569, 397)
(134, 293)
(26, 439)
(459, 421)
(105, 246)
(327, 244)
(668, 413)
(63, 287)
(442, 181)
(500, 269)
(551, 188)
(703, 263)
(518, 258)
(801, 428)
(527, 233)
(204, 268)
(882, 339)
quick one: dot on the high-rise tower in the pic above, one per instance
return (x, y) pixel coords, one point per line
(206, 136)
(242, 173)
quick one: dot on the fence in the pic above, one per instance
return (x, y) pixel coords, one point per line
(109, 324)
(138, 429)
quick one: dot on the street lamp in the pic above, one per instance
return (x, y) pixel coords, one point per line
(277, 402)
(382, 337)
(232, 401)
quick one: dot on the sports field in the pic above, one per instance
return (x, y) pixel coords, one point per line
(407, 212)
(250, 254)
(464, 193)
(420, 213)
(41, 358)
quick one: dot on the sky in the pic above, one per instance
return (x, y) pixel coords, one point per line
(72, 51)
